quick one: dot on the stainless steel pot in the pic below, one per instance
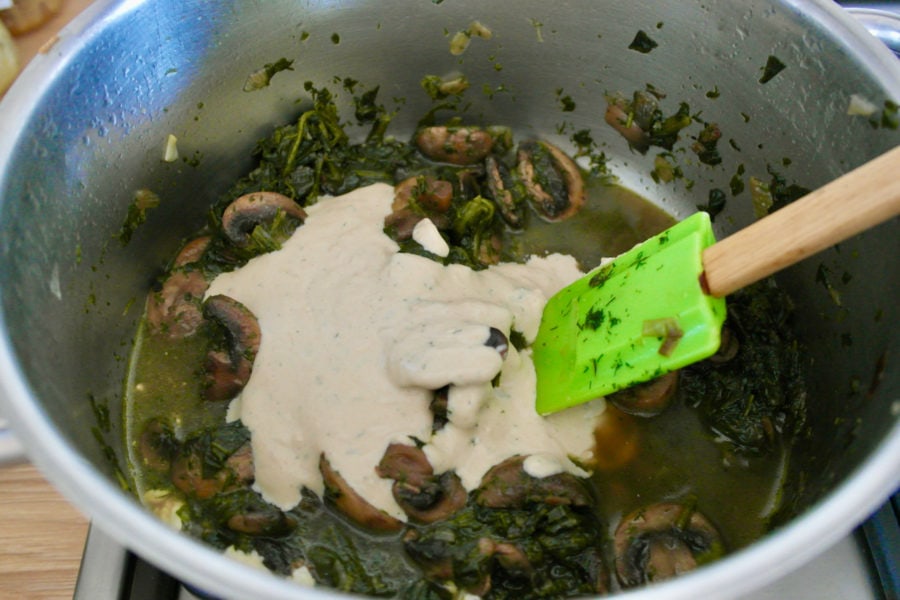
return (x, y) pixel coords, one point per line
(87, 123)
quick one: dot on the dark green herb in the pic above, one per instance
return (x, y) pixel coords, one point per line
(262, 77)
(642, 43)
(715, 203)
(773, 67)
(568, 105)
(889, 116)
(824, 278)
(143, 201)
(517, 339)
(737, 181)
(706, 146)
(314, 155)
(594, 318)
(782, 192)
(664, 132)
(759, 395)
(557, 548)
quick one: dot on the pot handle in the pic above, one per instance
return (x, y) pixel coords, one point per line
(880, 22)
(11, 451)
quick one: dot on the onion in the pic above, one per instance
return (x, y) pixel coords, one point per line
(9, 60)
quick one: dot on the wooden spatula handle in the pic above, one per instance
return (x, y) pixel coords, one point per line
(856, 201)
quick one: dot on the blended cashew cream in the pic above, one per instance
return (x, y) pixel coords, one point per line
(356, 335)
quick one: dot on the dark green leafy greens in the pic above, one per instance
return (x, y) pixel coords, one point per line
(759, 397)
(642, 43)
(773, 67)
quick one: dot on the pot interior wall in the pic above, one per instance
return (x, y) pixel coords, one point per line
(72, 292)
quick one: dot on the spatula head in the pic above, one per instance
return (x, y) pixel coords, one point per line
(630, 320)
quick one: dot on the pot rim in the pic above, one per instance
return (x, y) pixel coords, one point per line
(124, 519)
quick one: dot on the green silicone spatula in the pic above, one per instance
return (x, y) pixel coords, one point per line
(660, 306)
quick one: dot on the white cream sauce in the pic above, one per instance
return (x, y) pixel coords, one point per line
(356, 334)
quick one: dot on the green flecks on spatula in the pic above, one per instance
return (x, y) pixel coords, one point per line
(630, 320)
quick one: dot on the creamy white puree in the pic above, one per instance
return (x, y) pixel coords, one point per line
(356, 334)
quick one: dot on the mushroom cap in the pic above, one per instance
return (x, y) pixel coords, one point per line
(507, 485)
(454, 145)
(423, 496)
(246, 212)
(351, 504)
(662, 540)
(227, 372)
(553, 183)
(647, 399)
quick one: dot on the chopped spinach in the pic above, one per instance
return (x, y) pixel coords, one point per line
(773, 67)
(715, 204)
(143, 201)
(757, 397)
(642, 43)
(706, 146)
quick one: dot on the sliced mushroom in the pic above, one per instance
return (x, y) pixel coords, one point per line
(227, 372)
(439, 408)
(498, 341)
(662, 541)
(175, 310)
(552, 181)
(488, 250)
(500, 187)
(188, 475)
(632, 119)
(241, 465)
(261, 520)
(512, 559)
(454, 145)
(157, 446)
(352, 505)
(423, 496)
(507, 485)
(646, 399)
(728, 347)
(597, 570)
(245, 213)
(431, 554)
(416, 198)
(426, 191)
(192, 251)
